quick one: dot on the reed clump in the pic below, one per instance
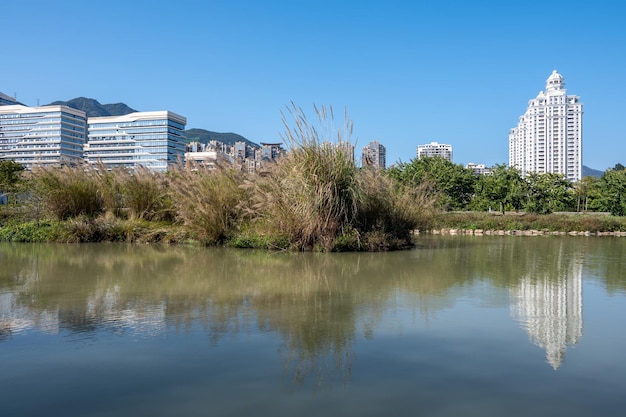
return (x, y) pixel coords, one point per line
(316, 198)
(67, 192)
(208, 202)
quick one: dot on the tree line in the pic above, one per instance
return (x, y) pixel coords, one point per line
(458, 188)
(505, 189)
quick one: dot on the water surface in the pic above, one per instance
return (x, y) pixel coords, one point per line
(472, 326)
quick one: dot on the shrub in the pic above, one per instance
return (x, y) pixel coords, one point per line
(207, 202)
(318, 199)
(67, 192)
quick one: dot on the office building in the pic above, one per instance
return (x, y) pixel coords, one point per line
(374, 155)
(548, 137)
(154, 140)
(42, 136)
(434, 149)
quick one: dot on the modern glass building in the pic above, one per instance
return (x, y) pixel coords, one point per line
(154, 140)
(42, 136)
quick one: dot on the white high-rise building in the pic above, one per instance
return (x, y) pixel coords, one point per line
(154, 140)
(548, 137)
(435, 149)
(42, 136)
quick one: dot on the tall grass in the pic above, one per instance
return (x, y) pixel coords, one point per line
(314, 198)
(208, 202)
(67, 192)
(318, 199)
(389, 213)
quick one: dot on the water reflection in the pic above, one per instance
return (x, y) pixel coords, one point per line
(548, 303)
(317, 304)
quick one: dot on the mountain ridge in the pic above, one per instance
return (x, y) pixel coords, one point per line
(93, 108)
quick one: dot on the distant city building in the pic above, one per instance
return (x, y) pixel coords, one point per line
(374, 155)
(269, 151)
(6, 100)
(248, 157)
(154, 140)
(434, 149)
(42, 136)
(201, 154)
(548, 137)
(479, 169)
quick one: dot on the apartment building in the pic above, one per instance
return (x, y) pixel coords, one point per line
(548, 137)
(435, 149)
(374, 155)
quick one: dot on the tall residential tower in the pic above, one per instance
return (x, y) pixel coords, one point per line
(548, 137)
(374, 155)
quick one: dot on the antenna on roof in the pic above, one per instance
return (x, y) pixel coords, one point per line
(37, 102)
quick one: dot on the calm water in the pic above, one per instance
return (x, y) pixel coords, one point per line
(461, 326)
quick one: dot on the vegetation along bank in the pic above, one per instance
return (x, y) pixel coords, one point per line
(314, 198)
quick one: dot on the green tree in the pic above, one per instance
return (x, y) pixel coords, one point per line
(504, 188)
(547, 193)
(10, 176)
(610, 193)
(582, 190)
(454, 182)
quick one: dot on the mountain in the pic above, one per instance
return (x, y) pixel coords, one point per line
(94, 109)
(590, 172)
(204, 136)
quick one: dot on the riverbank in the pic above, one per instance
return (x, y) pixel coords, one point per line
(532, 232)
(525, 224)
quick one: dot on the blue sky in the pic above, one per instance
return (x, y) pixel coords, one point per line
(408, 72)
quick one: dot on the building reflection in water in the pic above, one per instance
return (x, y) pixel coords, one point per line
(548, 304)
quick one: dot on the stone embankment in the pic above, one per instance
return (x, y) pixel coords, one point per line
(480, 232)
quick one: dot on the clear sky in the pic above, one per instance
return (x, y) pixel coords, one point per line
(408, 72)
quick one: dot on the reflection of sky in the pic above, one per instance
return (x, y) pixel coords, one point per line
(107, 310)
(17, 318)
